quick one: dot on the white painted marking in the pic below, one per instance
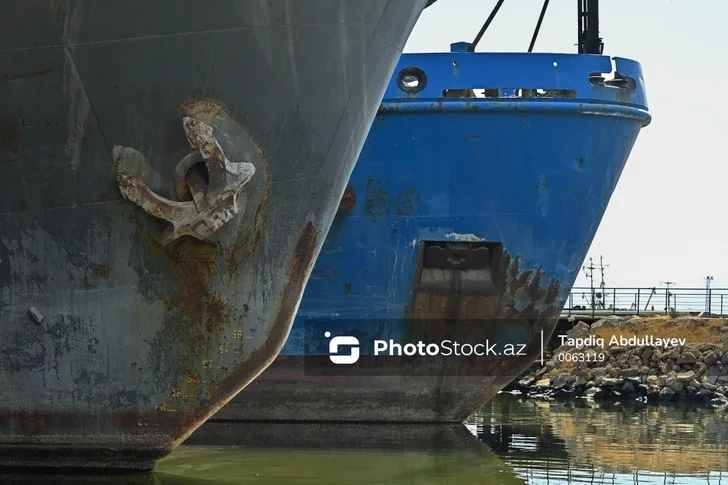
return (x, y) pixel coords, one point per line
(464, 237)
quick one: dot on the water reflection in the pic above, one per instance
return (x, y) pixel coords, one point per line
(266, 454)
(579, 442)
(49, 478)
(334, 454)
(511, 442)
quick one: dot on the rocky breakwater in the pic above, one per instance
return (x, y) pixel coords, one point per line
(647, 359)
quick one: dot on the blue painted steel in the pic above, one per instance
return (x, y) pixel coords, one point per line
(534, 173)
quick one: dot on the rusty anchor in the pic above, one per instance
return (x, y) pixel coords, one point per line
(214, 202)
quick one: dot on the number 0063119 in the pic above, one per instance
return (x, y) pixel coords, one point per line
(581, 357)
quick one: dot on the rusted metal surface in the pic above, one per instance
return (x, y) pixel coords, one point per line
(261, 357)
(214, 201)
(382, 199)
(526, 301)
(147, 330)
(347, 200)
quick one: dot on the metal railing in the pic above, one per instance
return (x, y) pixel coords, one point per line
(647, 301)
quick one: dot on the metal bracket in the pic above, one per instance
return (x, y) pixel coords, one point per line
(458, 268)
(213, 203)
(456, 256)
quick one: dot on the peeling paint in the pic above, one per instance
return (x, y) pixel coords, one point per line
(464, 237)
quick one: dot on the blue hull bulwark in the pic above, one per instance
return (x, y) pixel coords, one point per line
(472, 214)
(168, 171)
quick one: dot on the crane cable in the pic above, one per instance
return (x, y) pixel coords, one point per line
(492, 15)
(485, 25)
(538, 25)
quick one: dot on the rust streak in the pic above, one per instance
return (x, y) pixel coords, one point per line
(347, 200)
(101, 271)
(205, 106)
(193, 264)
(520, 299)
(259, 359)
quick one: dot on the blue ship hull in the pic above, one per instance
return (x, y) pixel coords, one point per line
(464, 216)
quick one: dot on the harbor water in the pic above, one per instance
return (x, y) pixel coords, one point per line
(511, 441)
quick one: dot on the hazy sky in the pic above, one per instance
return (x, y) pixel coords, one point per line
(666, 219)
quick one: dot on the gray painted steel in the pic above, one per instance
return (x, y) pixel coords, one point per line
(114, 348)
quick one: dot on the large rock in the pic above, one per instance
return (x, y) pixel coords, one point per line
(544, 383)
(580, 330)
(634, 321)
(670, 354)
(667, 394)
(692, 385)
(674, 384)
(652, 380)
(710, 358)
(635, 361)
(686, 358)
(710, 378)
(707, 385)
(610, 321)
(561, 380)
(608, 381)
(706, 347)
(580, 382)
(630, 372)
(686, 376)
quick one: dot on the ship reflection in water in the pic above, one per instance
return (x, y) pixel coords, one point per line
(577, 442)
(511, 441)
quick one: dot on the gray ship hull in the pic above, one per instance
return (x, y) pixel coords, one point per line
(120, 337)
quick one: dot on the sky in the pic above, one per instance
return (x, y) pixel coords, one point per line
(666, 220)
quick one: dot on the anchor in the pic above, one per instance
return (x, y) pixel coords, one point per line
(213, 203)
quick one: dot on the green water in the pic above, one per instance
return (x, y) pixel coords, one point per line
(511, 441)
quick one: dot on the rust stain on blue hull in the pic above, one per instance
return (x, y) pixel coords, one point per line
(476, 216)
